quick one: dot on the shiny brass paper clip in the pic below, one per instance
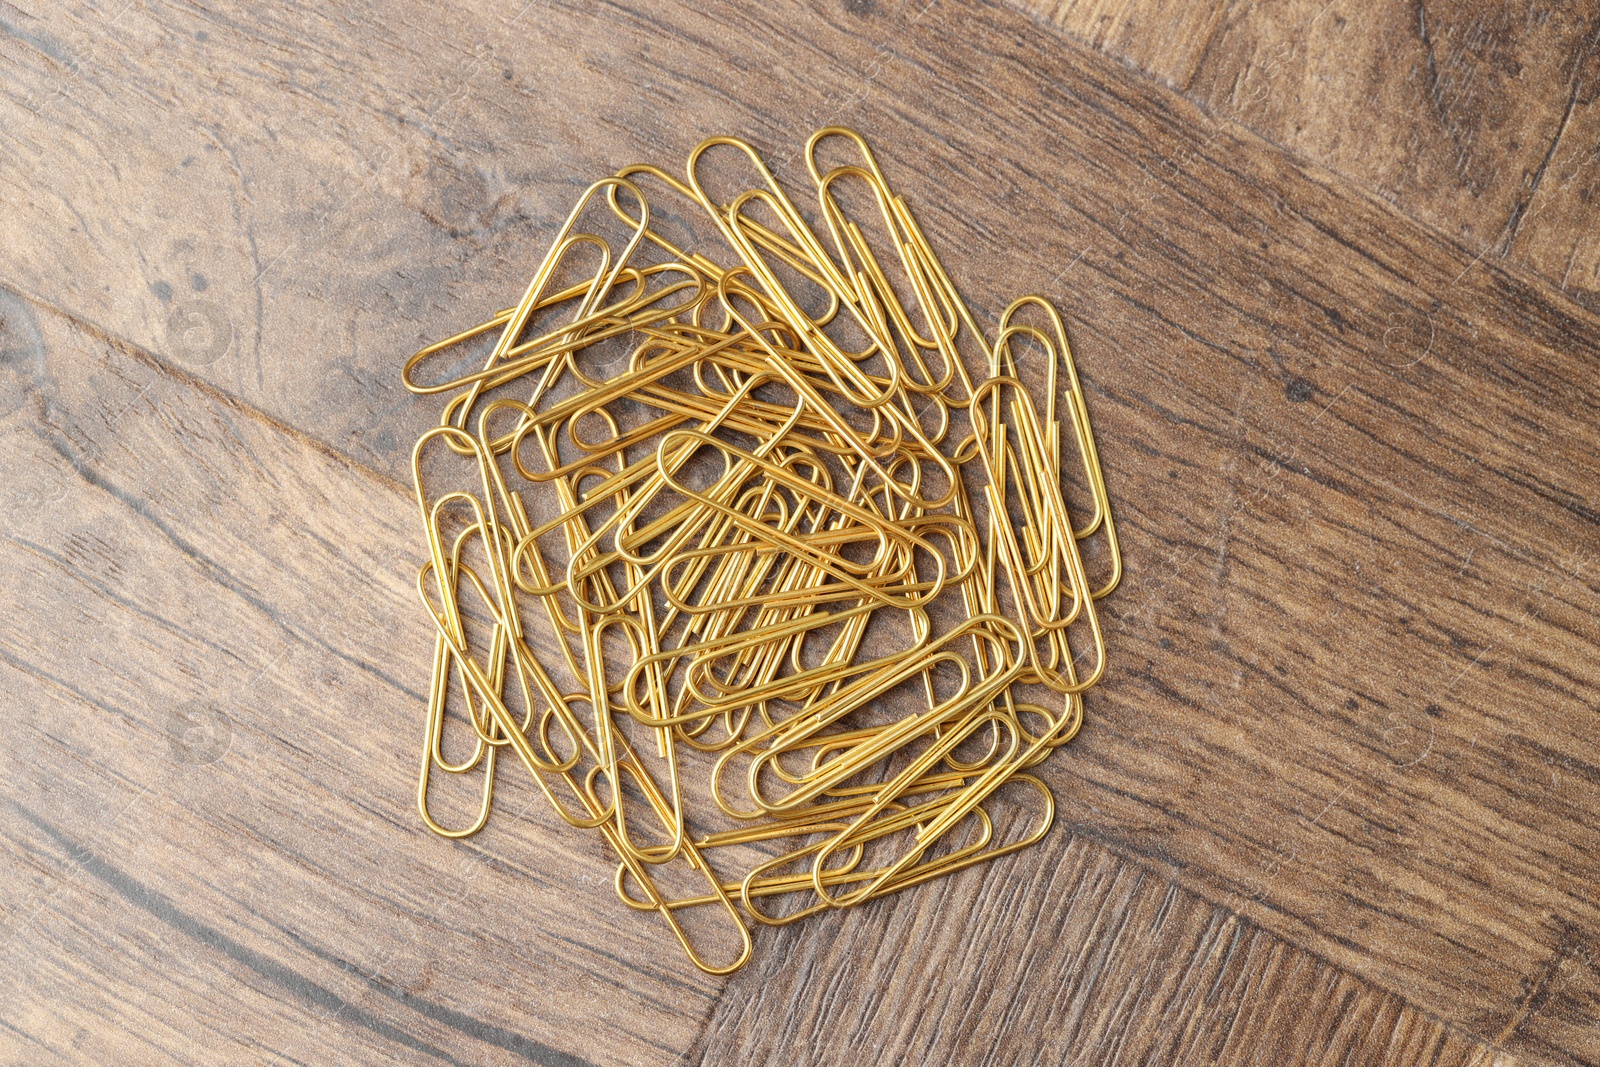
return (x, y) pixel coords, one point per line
(755, 552)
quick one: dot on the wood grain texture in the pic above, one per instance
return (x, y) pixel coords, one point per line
(1478, 118)
(1165, 40)
(1076, 956)
(1351, 705)
(212, 853)
(1558, 233)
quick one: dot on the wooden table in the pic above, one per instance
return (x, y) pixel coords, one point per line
(1332, 276)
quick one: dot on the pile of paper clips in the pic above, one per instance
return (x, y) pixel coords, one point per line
(755, 549)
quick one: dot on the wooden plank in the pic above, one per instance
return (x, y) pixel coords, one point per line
(1355, 461)
(212, 852)
(1075, 956)
(1164, 40)
(1479, 119)
(1453, 110)
(1558, 234)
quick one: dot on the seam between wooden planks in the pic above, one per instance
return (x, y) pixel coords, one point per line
(1224, 921)
(170, 370)
(1511, 270)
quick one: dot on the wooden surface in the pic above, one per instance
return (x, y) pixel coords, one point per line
(1336, 801)
(1479, 119)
